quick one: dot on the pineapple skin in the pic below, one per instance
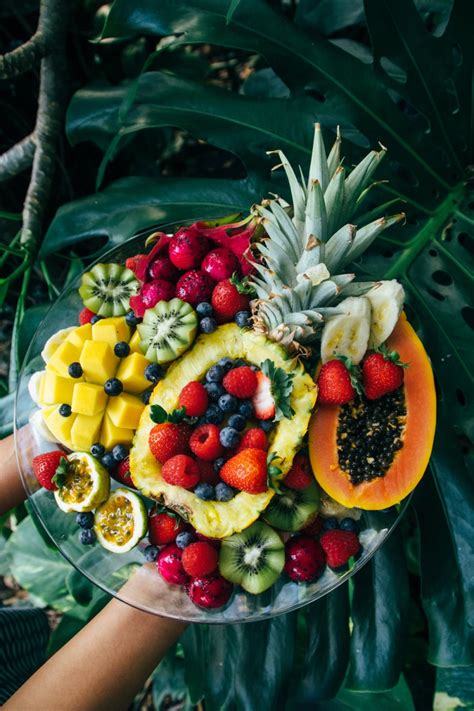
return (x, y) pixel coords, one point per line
(217, 519)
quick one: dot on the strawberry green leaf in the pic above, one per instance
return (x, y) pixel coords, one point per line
(158, 414)
(281, 387)
(62, 470)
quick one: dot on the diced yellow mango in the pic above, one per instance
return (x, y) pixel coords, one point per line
(55, 389)
(132, 373)
(80, 335)
(59, 426)
(85, 431)
(134, 343)
(111, 330)
(62, 358)
(124, 410)
(98, 362)
(88, 399)
(112, 435)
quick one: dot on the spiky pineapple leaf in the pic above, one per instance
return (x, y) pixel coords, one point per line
(281, 387)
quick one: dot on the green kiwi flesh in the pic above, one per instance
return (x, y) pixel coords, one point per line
(293, 509)
(167, 330)
(253, 558)
(106, 289)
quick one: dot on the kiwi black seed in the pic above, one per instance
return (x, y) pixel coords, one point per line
(253, 558)
(293, 509)
(167, 330)
(106, 289)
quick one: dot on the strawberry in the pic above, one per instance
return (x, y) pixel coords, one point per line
(262, 401)
(339, 546)
(205, 443)
(122, 473)
(168, 439)
(194, 398)
(305, 560)
(199, 559)
(44, 468)
(163, 528)
(241, 382)
(300, 475)
(246, 471)
(335, 385)
(170, 566)
(181, 470)
(227, 301)
(85, 316)
(382, 373)
(162, 268)
(220, 264)
(188, 248)
(254, 438)
(194, 287)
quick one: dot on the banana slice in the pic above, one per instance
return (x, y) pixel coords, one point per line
(386, 300)
(34, 386)
(348, 333)
(54, 341)
(40, 428)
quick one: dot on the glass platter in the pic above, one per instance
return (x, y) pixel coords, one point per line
(110, 571)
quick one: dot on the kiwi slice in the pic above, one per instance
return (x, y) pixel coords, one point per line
(107, 288)
(293, 509)
(253, 558)
(167, 330)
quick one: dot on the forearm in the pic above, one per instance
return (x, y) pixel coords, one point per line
(12, 492)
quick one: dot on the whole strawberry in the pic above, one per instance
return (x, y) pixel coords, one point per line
(122, 473)
(210, 591)
(382, 373)
(194, 398)
(163, 528)
(227, 301)
(194, 287)
(200, 559)
(241, 382)
(305, 559)
(187, 248)
(246, 471)
(339, 546)
(168, 439)
(162, 268)
(44, 468)
(85, 316)
(300, 475)
(335, 385)
(170, 566)
(182, 471)
(254, 438)
(220, 264)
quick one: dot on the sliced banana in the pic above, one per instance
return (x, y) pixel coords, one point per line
(54, 341)
(40, 428)
(34, 386)
(348, 333)
(386, 300)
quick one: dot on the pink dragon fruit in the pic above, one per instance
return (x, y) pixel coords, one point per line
(235, 236)
(188, 247)
(194, 287)
(220, 264)
(162, 268)
(150, 294)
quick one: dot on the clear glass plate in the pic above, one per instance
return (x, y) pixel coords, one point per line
(110, 571)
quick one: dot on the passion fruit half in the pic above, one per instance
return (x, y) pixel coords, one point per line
(84, 485)
(121, 521)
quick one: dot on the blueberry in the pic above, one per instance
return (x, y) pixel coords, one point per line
(208, 324)
(96, 318)
(229, 437)
(121, 349)
(215, 374)
(204, 309)
(153, 372)
(131, 319)
(65, 410)
(75, 370)
(266, 425)
(228, 403)
(214, 391)
(85, 520)
(237, 422)
(120, 452)
(146, 396)
(151, 553)
(87, 536)
(205, 492)
(330, 524)
(224, 492)
(184, 538)
(108, 460)
(213, 415)
(218, 464)
(226, 363)
(242, 319)
(349, 524)
(246, 409)
(113, 387)
(98, 450)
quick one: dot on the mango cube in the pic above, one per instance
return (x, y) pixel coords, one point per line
(125, 410)
(111, 330)
(88, 399)
(134, 343)
(55, 389)
(58, 425)
(85, 431)
(80, 335)
(132, 373)
(98, 362)
(112, 435)
(62, 358)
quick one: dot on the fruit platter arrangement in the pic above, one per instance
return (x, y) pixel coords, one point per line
(231, 402)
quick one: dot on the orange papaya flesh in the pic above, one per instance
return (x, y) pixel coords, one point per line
(410, 460)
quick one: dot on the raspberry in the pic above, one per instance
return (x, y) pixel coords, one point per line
(205, 442)
(85, 316)
(254, 438)
(300, 475)
(170, 566)
(241, 382)
(163, 528)
(199, 559)
(181, 470)
(339, 546)
(168, 439)
(194, 398)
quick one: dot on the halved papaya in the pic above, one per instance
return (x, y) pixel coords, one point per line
(408, 431)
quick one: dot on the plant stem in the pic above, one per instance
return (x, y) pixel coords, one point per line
(18, 158)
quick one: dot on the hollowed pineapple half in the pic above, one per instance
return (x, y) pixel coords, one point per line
(214, 518)
(94, 417)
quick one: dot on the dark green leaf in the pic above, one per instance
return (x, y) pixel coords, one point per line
(168, 683)
(30, 322)
(397, 699)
